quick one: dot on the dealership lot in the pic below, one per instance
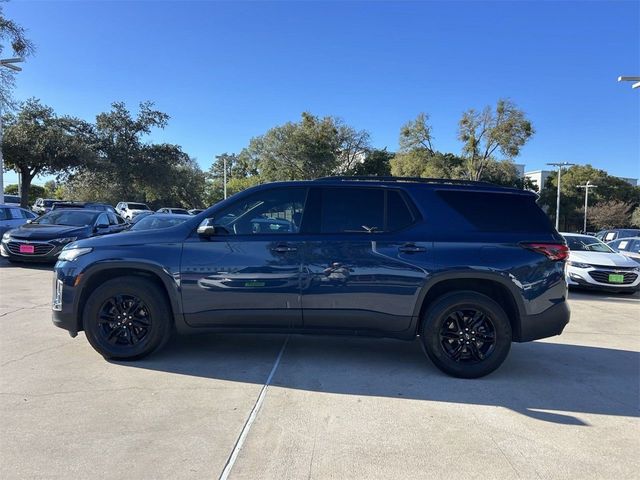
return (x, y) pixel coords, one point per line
(565, 407)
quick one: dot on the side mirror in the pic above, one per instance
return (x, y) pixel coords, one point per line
(29, 221)
(208, 228)
(101, 226)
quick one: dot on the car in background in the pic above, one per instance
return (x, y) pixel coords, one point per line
(174, 210)
(615, 233)
(629, 247)
(13, 200)
(195, 211)
(128, 210)
(44, 238)
(159, 220)
(594, 265)
(99, 207)
(43, 205)
(139, 217)
(12, 217)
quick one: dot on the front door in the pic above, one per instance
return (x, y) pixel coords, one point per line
(248, 273)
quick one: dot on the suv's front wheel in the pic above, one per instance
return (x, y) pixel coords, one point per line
(127, 318)
(466, 334)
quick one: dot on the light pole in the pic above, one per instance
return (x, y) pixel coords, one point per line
(559, 165)
(224, 175)
(631, 79)
(7, 63)
(586, 187)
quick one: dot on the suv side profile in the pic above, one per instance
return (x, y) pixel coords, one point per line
(466, 267)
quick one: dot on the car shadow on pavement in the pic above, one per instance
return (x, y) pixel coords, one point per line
(4, 263)
(544, 381)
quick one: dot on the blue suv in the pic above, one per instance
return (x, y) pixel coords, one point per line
(468, 267)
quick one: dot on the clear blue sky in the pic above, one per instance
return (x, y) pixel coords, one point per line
(226, 72)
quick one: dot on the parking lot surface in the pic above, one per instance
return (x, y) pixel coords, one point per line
(343, 408)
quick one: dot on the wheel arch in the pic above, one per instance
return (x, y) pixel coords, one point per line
(493, 286)
(96, 276)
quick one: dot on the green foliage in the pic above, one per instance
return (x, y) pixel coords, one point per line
(36, 191)
(572, 197)
(504, 130)
(421, 163)
(416, 135)
(376, 162)
(38, 142)
(314, 147)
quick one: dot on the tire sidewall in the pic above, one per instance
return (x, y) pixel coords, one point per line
(154, 301)
(438, 313)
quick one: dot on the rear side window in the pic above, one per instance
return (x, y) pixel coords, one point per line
(497, 212)
(362, 210)
(4, 214)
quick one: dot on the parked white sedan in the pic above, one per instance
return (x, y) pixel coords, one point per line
(594, 265)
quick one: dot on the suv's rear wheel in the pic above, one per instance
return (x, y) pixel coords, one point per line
(127, 318)
(466, 334)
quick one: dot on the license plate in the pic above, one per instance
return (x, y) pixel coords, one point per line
(616, 278)
(27, 249)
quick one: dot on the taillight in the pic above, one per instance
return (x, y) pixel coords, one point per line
(553, 251)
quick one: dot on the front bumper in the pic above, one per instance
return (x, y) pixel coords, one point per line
(65, 301)
(588, 278)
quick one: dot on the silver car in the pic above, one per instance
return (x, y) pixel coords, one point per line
(12, 217)
(629, 247)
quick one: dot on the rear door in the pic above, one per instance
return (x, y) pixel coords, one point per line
(248, 274)
(363, 265)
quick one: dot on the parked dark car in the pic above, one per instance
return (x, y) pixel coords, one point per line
(466, 267)
(43, 239)
(139, 217)
(158, 220)
(13, 217)
(13, 200)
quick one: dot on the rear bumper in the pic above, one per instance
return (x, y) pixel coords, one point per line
(549, 323)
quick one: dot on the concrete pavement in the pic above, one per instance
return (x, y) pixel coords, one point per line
(337, 407)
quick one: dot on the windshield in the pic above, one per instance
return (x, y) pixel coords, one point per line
(75, 218)
(48, 203)
(137, 206)
(585, 243)
(153, 222)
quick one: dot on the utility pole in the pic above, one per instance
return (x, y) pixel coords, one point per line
(559, 165)
(7, 63)
(224, 175)
(586, 187)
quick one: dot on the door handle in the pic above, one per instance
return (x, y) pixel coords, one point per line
(284, 249)
(411, 248)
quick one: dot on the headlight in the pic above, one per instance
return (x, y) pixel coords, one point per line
(6, 237)
(579, 265)
(70, 254)
(65, 240)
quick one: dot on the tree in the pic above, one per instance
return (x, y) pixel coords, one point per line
(421, 163)
(312, 148)
(635, 217)
(416, 135)
(35, 191)
(484, 133)
(505, 173)
(376, 162)
(610, 214)
(38, 142)
(123, 159)
(572, 197)
(21, 46)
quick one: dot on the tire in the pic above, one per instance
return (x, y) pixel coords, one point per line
(107, 313)
(444, 338)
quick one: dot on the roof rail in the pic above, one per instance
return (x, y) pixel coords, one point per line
(371, 178)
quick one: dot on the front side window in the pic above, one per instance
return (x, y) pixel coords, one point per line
(276, 211)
